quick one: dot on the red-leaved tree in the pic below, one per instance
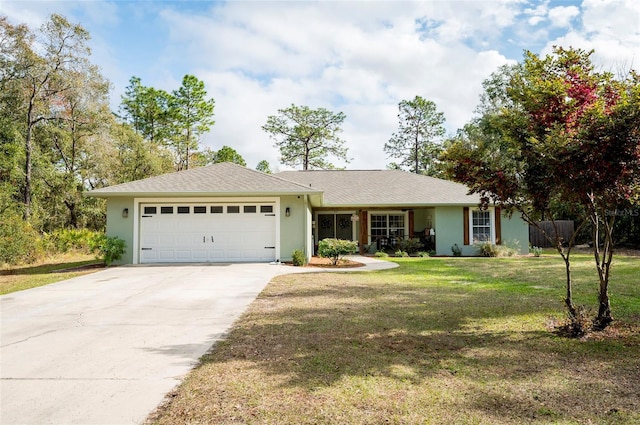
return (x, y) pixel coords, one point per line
(557, 131)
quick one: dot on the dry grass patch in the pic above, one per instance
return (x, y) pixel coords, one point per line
(435, 341)
(49, 270)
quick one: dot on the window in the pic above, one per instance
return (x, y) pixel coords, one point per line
(216, 209)
(481, 226)
(166, 210)
(250, 209)
(266, 208)
(233, 209)
(387, 225)
(199, 210)
(184, 210)
(396, 225)
(150, 210)
(379, 226)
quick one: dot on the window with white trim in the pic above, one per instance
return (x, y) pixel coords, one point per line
(387, 225)
(481, 226)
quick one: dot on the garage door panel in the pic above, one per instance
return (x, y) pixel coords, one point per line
(149, 239)
(207, 236)
(166, 255)
(216, 254)
(200, 255)
(148, 256)
(166, 239)
(233, 254)
(183, 255)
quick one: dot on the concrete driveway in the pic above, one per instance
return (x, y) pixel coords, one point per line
(105, 348)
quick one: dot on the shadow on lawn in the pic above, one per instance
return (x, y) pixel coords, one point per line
(331, 327)
(53, 268)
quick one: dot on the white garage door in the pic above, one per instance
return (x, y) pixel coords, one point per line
(207, 232)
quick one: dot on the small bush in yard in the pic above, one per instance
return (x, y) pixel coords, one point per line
(298, 258)
(537, 251)
(455, 249)
(576, 326)
(487, 249)
(18, 240)
(65, 240)
(335, 249)
(381, 254)
(509, 249)
(401, 253)
(410, 245)
(108, 248)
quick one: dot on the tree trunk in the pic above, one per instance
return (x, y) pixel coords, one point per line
(416, 153)
(604, 318)
(566, 256)
(28, 150)
(569, 295)
(603, 264)
(187, 149)
(73, 214)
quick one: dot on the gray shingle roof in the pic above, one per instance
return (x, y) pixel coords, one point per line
(216, 179)
(381, 188)
(348, 188)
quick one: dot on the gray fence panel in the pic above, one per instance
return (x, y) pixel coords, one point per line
(537, 238)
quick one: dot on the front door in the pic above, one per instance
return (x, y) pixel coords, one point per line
(338, 226)
(344, 227)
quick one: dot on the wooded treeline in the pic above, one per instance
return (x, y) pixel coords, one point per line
(60, 138)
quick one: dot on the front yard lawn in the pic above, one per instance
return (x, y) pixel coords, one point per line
(50, 270)
(436, 341)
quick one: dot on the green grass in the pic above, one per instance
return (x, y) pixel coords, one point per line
(53, 270)
(438, 340)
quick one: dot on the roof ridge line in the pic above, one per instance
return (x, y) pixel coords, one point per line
(277, 177)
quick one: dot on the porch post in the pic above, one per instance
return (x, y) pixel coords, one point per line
(364, 227)
(411, 225)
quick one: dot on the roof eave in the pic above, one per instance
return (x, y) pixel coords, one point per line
(185, 194)
(402, 205)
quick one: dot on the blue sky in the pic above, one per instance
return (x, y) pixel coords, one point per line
(358, 57)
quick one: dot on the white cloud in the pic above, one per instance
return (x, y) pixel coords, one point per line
(613, 19)
(562, 16)
(347, 57)
(612, 29)
(537, 14)
(535, 20)
(361, 58)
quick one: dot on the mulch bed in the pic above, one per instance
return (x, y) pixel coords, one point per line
(326, 263)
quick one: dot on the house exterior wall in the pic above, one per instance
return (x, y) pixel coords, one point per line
(515, 232)
(448, 222)
(296, 231)
(120, 226)
(294, 228)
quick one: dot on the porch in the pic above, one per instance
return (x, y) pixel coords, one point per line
(376, 229)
